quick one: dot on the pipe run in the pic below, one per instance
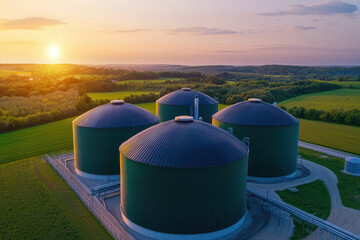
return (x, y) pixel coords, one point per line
(196, 109)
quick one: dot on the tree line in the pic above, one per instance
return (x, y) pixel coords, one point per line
(350, 117)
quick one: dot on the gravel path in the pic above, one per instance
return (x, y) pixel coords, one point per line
(341, 216)
(328, 151)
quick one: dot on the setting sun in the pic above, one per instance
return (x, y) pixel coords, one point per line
(53, 51)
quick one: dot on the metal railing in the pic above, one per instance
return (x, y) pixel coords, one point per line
(87, 197)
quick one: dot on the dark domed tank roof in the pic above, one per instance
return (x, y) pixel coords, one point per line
(184, 143)
(185, 96)
(116, 114)
(255, 112)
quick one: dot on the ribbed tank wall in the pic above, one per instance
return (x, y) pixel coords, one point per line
(169, 112)
(273, 150)
(183, 200)
(97, 149)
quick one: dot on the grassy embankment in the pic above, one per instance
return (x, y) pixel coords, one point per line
(319, 204)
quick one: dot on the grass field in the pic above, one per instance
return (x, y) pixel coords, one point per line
(349, 186)
(338, 136)
(37, 204)
(348, 84)
(35, 141)
(113, 95)
(319, 206)
(341, 99)
(6, 73)
(159, 80)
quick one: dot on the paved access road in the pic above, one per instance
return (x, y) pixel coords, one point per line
(341, 216)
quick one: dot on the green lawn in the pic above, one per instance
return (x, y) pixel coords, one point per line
(159, 80)
(341, 99)
(318, 205)
(113, 95)
(348, 185)
(37, 204)
(338, 136)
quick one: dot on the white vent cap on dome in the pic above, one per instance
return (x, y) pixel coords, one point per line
(255, 100)
(186, 89)
(184, 119)
(117, 102)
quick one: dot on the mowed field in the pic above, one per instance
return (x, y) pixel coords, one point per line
(113, 95)
(338, 136)
(341, 99)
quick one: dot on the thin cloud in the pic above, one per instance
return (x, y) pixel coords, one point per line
(127, 30)
(29, 23)
(303, 28)
(202, 31)
(323, 8)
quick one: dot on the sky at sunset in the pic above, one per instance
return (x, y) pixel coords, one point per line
(192, 32)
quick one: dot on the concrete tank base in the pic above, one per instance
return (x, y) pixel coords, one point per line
(272, 179)
(349, 173)
(167, 236)
(97, 177)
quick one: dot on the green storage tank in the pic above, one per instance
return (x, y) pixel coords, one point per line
(181, 102)
(273, 137)
(98, 134)
(183, 177)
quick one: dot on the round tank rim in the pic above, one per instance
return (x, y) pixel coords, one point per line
(352, 160)
(173, 236)
(98, 177)
(271, 179)
(264, 114)
(188, 105)
(238, 124)
(113, 128)
(350, 173)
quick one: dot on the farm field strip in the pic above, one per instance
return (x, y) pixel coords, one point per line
(159, 80)
(348, 84)
(341, 99)
(113, 95)
(36, 203)
(337, 136)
